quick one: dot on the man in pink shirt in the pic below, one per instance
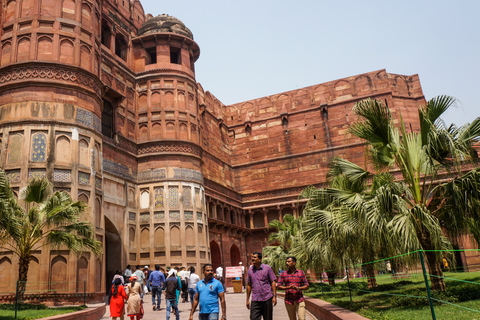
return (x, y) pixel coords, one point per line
(261, 285)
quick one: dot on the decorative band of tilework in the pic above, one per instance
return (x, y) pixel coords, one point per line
(98, 183)
(170, 147)
(37, 173)
(88, 119)
(145, 217)
(153, 174)
(83, 178)
(159, 215)
(174, 215)
(188, 215)
(62, 175)
(13, 175)
(132, 216)
(57, 73)
(187, 174)
(118, 169)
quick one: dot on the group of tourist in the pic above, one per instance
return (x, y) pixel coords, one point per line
(262, 288)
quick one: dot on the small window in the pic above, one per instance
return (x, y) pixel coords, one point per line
(175, 55)
(107, 119)
(121, 47)
(152, 54)
(106, 35)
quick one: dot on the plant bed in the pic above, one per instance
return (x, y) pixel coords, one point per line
(33, 311)
(405, 299)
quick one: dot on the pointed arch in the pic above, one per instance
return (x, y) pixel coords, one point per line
(85, 58)
(23, 49)
(189, 236)
(58, 274)
(66, 51)
(44, 48)
(175, 238)
(62, 150)
(216, 254)
(82, 273)
(159, 237)
(234, 255)
(6, 53)
(145, 238)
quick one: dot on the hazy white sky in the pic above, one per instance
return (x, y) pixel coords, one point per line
(250, 49)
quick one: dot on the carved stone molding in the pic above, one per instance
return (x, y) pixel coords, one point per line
(169, 146)
(50, 73)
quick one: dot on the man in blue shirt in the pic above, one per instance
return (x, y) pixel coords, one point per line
(157, 279)
(209, 290)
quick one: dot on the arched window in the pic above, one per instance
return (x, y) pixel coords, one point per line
(39, 147)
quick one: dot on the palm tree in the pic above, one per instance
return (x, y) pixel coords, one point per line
(436, 191)
(276, 254)
(41, 219)
(349, 216)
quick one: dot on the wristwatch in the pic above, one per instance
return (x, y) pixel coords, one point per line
(224, 317)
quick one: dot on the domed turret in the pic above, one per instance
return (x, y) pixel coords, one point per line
(165, 24)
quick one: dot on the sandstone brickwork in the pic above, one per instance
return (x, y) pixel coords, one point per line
(103, 100)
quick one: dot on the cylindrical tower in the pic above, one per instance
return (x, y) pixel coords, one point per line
(173, 223)
(51, 102)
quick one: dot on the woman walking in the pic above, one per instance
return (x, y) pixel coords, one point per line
(134, 303)
(117, 300)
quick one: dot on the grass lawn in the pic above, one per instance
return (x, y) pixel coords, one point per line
(30, 314)
(404, 299)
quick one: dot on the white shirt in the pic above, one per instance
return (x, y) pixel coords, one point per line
(219, 272)
(192, 281)
(184, 275)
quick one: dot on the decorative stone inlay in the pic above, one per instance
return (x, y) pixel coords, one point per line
(154, 174)
(187, 174)
(173, 197)
(174, 215)
(158, 198)
(132, 216)
(83, 178)
(169, 147)
(159, 215)
(187, 197)
(62, 175)
(52, 73)
(15, 148)
(199, 216)
(36, 173)
(39, 147)
(117, 169)
(188, 215)
(98, 183)
(13, 175)
(145, 217)
(88, 119)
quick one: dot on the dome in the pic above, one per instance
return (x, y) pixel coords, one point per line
(165, 24)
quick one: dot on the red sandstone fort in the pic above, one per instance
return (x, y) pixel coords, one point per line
(103, 100)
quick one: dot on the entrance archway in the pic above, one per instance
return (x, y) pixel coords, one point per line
(113, 249)
(216, 254)
(234, 255)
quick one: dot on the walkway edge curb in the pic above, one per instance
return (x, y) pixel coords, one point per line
(323, 310)
(90, 313)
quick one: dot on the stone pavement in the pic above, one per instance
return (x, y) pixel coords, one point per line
(236, 309)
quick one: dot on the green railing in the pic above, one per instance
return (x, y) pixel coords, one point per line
(404, 282)
(33, 295)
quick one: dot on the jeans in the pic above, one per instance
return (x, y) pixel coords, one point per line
(208, 316)
(156, 291)
(172, 303)
(191, 293)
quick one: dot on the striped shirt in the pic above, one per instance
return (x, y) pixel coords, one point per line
(261, 282)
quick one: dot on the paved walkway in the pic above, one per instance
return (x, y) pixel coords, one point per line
(236, 309)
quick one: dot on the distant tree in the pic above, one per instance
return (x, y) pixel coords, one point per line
(41, 218)
(281, 239)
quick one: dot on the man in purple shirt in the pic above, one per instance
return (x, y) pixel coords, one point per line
(261, 284)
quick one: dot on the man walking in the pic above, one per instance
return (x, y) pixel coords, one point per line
(171, 286)
(184, 275)
(209, 290)
(294, 282)
(140, 277)
(261, 285)
(157, 281)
